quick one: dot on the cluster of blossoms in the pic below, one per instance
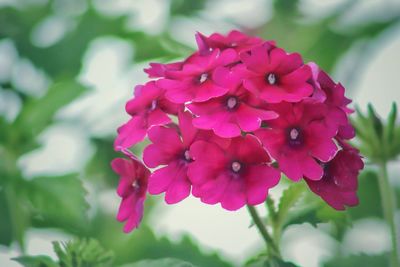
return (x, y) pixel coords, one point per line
(246, 111)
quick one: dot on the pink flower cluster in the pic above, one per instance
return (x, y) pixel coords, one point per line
(246, 111)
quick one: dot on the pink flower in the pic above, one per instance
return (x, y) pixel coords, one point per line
(232, 113)
(195, 82)
(147, 108)
(234, 39)
(168, 148)
(276, 76)
(132, 189)
(234, 176)
(338, 186)
(298, 139)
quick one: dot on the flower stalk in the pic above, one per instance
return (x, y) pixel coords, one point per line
(389, 208)
(272, 248)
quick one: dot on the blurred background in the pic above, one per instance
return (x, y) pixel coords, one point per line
(67, 67)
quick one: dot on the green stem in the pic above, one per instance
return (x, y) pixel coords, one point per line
(389, 208)
(263, 231)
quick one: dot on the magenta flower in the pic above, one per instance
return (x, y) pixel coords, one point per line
(170, 149)
(276, 76)
(232, 113)
(234, 39)
(298, 139)
(195, 82)
(132, 189)
(147, 108)
(234, 176)
(338, 186)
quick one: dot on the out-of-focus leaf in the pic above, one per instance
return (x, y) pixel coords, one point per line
(182, 7)
(263, 261)
(5, 222)
(36, 261)
(58, 202)
(143, 244)
(369, 196)
(18, 213)
(359, 260)
(287, 8)
(37, 114)
(312, 209)
(161, 263)
(98, 168)
(83, 253)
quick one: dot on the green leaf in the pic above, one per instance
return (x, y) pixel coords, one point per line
(263, 261)
(369, 196)
(18, 213)
(168, 262)
(36, 261)
(288, 200)
(6, 227)
(83, 253)
(144, 244)
(359, 260)
(58, 202)
(391, 123)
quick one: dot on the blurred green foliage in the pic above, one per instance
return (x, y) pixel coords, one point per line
(59, 202)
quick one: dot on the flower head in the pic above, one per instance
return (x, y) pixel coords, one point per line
(132, 189)
(237, 175)
(246, 111)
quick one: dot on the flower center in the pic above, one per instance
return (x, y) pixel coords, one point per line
(271, 78)
(135, 184)
(153, 105)
(294, 134)
(186, 155)
(232, 102)
(295, 137)
(203, 77)
(236, 166)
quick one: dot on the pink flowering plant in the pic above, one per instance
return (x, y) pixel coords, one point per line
(229, 123)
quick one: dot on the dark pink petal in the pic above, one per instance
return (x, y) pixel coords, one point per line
(234, 197)
(130, 133)
(213, 190)
(160, 179)
(248, 150)
(188, 132)
(258, 60)
(136, 217)
(311, 169)
(157, 117)
(208, 90)
(259, 180)
(291, 167)
(179, 188)
(154, 156)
